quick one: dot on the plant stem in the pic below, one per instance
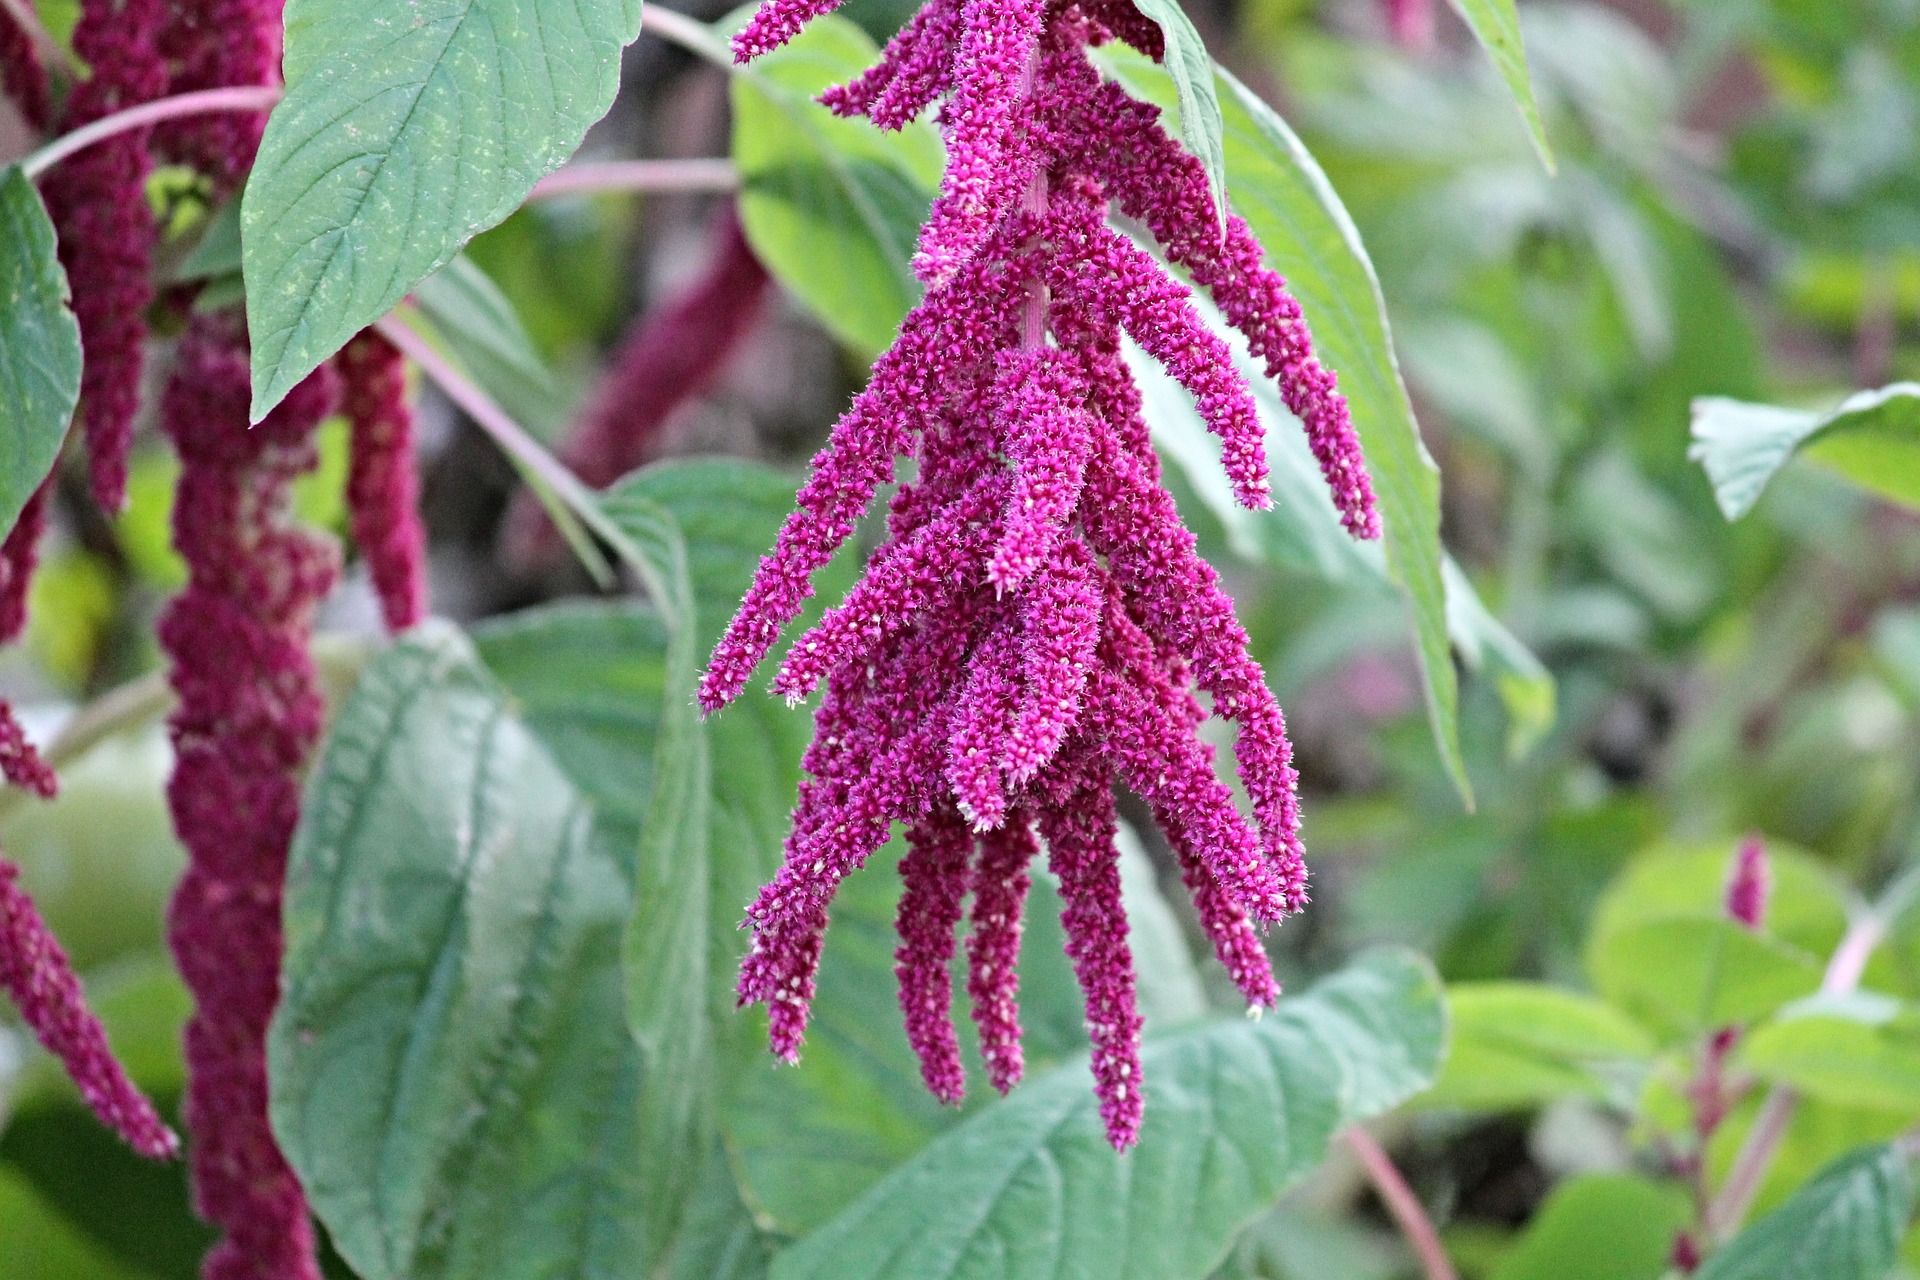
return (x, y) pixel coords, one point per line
(1849, 961)
(1402, 1204)
(638, 175)
(202, 102)
(694, 36)
(52, 52)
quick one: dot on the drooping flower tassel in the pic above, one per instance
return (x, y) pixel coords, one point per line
(98, 202)
(217, 44)
(249, 714)
(38, 978)
(383, 489)
(22, 75)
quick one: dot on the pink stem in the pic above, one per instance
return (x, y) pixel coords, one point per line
(240, 98)
(1405, 1207)
(639, 175)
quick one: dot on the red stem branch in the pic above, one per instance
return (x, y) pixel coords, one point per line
(202, 102)
(1405, 1207)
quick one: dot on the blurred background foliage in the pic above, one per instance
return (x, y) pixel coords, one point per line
(1736, 212)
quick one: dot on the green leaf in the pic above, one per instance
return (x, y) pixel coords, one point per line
(407, 129)
(1496, 25)
(1842, 1060)
(833, 207)
(1687, 976)
(1235, 1112)
(1191, 70)
(39, 346)
(1601, 1226)
(1516, 1044)
(452, 1075)
(42, 1245)
(1844, 1225)
(1525, 686)
(1689, 881)
(470, 312)
(1872, 438)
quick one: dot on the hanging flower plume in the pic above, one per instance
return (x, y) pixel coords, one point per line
(250, 712)
(98, 202)
(22, 75)
(383, 490)
(1038, 625)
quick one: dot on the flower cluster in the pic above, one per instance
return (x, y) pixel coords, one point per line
(21, 73)
(383, 491)
(1038, 625)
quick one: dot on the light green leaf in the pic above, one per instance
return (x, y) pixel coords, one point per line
(1688, 976)
(1842, 1060)
(1235, 1112)
(1872, 438)
(1487, 648)
(1496, 25)
(39, 346)
(832, 207)
(1190, 68)
(1516, 1044)
(1603, 1226)
(1846, 1224)
(452, 1075)
(470, 312)
(408, 128)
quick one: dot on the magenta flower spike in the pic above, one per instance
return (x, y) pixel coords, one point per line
(383, 490)
(250, 712)
(215, 44)
(98, 202)
(22, 76)
(1037, 625)
(1750, 884)
(19, 555)
(42, 985)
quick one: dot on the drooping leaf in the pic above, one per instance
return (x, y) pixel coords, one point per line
(39, 346)
(1234, 1113)
(833, 207)
(1496, 25)
(1190, 68)
(452, 1075)
(407, 129)
(1872, 438)
(1519, 1043)
(1599, 1226)
(470, 312)
(1846, 1224)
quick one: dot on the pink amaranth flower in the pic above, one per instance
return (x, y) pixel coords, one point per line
(22, 76)
(249, 714)
(214, 44)
(1038, 624)
(98, 202)
(20, 761)
(383, 492)
(19, 555)
(1409, 22)
(673, 354)
(40, 981)
(1749, 884)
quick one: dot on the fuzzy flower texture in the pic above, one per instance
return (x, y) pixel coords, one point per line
(1037, 626)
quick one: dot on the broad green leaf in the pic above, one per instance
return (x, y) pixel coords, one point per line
(1841, 1059)
(1496, 25)
(811, 1138)
(452, 1075)
(832, 207)
(1846, 1224)
(39, 346)
(407, 129)
(1600, 1226)
(1687, 976)
(1235, 1112)
(1689, 881)
(1191, 70)
(1278, 187)
(1872, 438)
(1517, 1044)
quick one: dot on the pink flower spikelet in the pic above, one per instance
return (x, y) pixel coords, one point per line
(42, 984)
(1750, 884)
(1038, 625)
(22, 76)
(383, 491)
(19, 555)
(216, 44)
(250, 712)
(98, 202)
